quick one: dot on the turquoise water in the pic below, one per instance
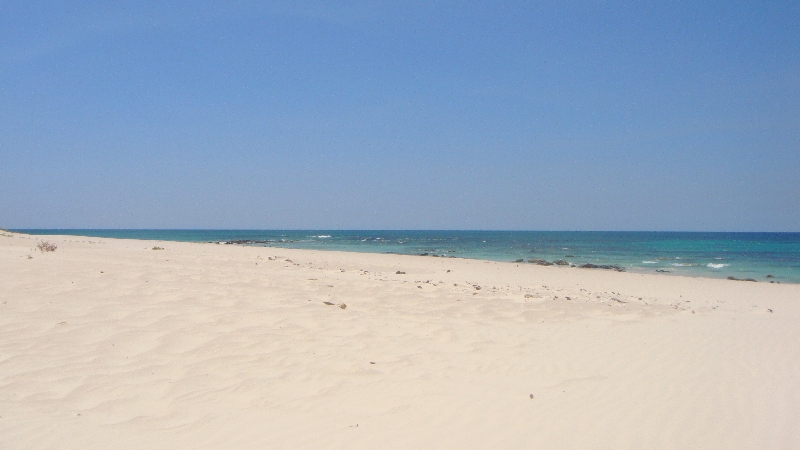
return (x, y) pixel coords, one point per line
(715, 255)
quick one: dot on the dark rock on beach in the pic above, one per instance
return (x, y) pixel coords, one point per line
(541, 262)
(544, 262)
(248, 241)
(602, 266)
(742, 279)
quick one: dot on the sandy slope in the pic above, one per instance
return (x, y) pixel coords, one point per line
(109, 344)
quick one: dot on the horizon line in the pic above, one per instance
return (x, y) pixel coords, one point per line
(394, 229)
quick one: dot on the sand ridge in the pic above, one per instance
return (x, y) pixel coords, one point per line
(110, 343)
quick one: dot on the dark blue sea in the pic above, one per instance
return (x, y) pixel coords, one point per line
(714, 255)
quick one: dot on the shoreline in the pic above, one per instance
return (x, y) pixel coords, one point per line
(108, 343)
(599, 264)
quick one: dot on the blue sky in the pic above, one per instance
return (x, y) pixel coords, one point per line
(390, 115)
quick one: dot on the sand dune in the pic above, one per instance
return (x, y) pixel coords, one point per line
(109, 344)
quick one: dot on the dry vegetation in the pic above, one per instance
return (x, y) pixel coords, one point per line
(45, 246)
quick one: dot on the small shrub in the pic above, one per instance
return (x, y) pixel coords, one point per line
(45, 246)
(158, 248)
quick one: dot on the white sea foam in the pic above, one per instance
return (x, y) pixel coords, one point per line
(649, 262)
(681, 264)
(716, 266)
(322, 236)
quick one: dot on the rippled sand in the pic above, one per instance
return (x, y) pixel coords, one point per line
(109, 344)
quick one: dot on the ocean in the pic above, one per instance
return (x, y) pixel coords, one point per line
(764, 257)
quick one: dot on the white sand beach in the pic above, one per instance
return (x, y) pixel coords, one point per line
(108, 343)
